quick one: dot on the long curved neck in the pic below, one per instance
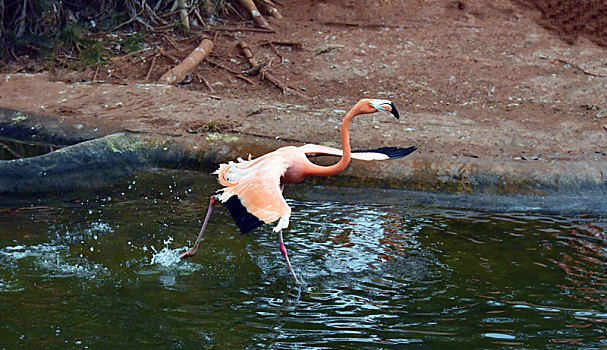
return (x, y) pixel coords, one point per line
(340, 166)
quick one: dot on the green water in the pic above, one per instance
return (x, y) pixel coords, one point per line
(100, 270)
(13, 149)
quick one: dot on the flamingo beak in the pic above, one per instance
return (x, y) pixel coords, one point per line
(393, 111)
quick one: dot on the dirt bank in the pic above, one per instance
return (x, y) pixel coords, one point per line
(495, 99)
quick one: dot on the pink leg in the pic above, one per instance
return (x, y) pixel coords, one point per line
(193, 250)
(283, 250)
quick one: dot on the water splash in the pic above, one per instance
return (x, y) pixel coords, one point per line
(53, 259)
(168, 257)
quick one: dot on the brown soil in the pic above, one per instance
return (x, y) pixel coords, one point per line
(495, 80)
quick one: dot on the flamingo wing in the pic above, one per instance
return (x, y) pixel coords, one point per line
(383, 153)
(257, 185)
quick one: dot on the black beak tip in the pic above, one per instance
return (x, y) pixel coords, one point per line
(394, 112)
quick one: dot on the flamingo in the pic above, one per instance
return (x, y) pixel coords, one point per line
(252, 190)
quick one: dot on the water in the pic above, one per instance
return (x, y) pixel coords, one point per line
(14, 149)
(101, 269)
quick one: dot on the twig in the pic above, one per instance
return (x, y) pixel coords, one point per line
(131, 54)
(238, 29)
(132, 19)
(236, 73)
(6, 147)
(236, 11)
(197, 13)
(242, 77)
(366, 25)
(21, 29)
(170, 41)
(327, 48)
(96, 71)
(217, 64)
(282, 42)
(167, 55)
(147, 76)
(276, 51)
(201, 78)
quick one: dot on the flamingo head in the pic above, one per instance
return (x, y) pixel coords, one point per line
(384, 105)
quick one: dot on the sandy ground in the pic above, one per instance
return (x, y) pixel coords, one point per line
(494, 82)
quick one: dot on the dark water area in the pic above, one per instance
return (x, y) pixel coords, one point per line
(14, 149)
(100, 269)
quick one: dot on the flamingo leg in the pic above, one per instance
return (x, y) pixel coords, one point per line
(193, 250)
(283, 250)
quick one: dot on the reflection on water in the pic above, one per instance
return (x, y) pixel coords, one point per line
(103, 269)
(13, 149)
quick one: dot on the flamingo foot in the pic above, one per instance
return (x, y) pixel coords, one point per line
(283, 250)
(190, 253)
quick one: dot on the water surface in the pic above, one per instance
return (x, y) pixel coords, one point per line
(95, 270)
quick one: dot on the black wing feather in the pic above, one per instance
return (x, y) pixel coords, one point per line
(391, 152)
(245, 221)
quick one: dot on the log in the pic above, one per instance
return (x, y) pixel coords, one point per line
(257, 17)
(179, 72)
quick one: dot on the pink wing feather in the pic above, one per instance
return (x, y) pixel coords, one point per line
(257, 185)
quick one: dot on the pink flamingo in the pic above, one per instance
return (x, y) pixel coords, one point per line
(252, 190)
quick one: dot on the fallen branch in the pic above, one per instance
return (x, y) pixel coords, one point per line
(248, 54)
(167, 55)
(96, 71)
(271, 9)
(257, 17)
(186, 66)
(237, 29)
(202, 79)
(183, 14)
(147, 76)
(130, 54)
(364, 25)
(237, 74)
(297, 44)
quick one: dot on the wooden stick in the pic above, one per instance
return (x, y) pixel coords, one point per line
(366, 25)
(170, 41)
(248, 53)
(237, 74)
(168, 56)
(201, 78)
(186, 66)
(271, 8)
(238, 29)
(96, 71)
(217, 64)
(147, 76)
(282, 42)
(257, 17)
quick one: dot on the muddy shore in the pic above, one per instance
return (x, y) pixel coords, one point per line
(500, 105)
